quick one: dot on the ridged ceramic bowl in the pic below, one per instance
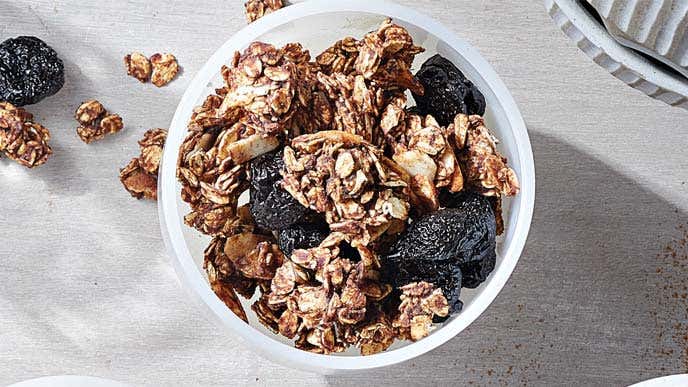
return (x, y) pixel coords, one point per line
(636, 70)
(317, 24)
(656, 28)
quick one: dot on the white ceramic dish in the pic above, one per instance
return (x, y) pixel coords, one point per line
(656, 28)
(317, 24)
(627, 65)
(666, 381)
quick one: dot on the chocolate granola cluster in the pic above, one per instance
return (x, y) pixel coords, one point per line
(338, 166)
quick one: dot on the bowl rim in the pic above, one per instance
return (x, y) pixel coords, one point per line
(187, 270)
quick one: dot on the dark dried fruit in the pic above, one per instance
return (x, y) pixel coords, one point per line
(302, 236)
(447, 91)
(450, 248)
(29, 71)
(309, 235)
(272, 207)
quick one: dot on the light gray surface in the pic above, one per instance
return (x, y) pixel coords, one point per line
(87, 289)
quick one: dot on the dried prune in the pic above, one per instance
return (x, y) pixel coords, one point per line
(450, 248)
(272, 207)
(302, 236)
(475, 271)
(447, 91)
(309, 235)
(30, 70)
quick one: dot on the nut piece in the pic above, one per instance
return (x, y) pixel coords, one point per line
(95, 122)
(138, 66)
(140, 176)
(255, 9)
(165, 68)
(21, 139)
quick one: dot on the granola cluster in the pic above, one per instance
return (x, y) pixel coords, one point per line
(160, 69)
(140, 176)
(255, 9)
(22, 139)
(359, 162)
(95, 122)
(360, 191)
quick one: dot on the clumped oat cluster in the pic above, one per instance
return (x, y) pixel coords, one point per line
(353, 166)
(21, 138)
(95, 122)
(159, 69)
(255, 9)
(140, 176)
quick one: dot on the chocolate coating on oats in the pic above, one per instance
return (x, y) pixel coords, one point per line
(271, 206)
(447, 91)
(30, 71)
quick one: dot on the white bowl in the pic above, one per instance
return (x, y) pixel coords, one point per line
(317, 24)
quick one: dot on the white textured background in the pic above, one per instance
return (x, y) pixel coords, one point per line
(86, 287)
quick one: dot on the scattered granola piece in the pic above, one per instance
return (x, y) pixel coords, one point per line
(138, 182)
(151, 145)
(95, 122)
(138, 66)
(140, 176)
(89, 111)
(255, 9)
(165, 68)
(22, 139)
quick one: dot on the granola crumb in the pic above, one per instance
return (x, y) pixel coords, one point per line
(21, 138)
(140, 176)
(165, 68)
(138, 66)
(95, 122)
(255, 9)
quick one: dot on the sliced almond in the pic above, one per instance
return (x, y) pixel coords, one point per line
(247, 148)
(416, 163)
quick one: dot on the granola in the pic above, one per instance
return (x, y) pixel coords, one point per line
(140, 176)
(363, 167)
(138, 66)
(165, 68)
(255, 9)
(95, 122)
(21, 138)
(360, 191)
(262, 81)
(486, 169)
(320, 296)
(420, 301)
